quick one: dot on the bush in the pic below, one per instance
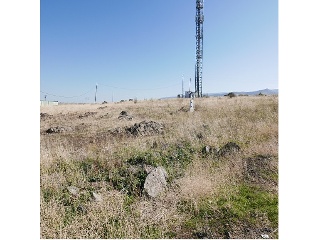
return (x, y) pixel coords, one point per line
(230, 95)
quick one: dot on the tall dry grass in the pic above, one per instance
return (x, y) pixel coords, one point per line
(251, 122)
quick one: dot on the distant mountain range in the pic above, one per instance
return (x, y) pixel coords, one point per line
(252, 93)
(263, 91)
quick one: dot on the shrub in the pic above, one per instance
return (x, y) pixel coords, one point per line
(230, 95)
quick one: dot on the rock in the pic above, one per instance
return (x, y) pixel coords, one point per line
(45, 116)
(209, 150)
(148, 168)
(97, 197)
(82, 209)
(229, 148)
(124, 115)
(265, 236)
(206, 150)
(87, 114)
(73, 190)
(58, 129)
(105, 116)
(102, 107)
(145, 128)
(156, 182)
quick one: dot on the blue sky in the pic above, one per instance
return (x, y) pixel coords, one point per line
(142, 48)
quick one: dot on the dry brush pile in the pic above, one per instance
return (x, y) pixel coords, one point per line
(221, 164)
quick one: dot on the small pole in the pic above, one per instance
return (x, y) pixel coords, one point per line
(191, 104)
(95, 96)
(182, 86)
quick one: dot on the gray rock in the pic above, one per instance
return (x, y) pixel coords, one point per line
(124, 115)
(156, 182)
(97, 197)
(148, 168)
(58, 129)
(73, 190)
(229, 148)
(145, 128)
(87, 114)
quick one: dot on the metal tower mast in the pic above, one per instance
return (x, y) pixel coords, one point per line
(199, 48)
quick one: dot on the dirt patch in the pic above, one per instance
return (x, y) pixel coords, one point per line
(260, 170)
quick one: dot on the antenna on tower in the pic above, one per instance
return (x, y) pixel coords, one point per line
(199, 48)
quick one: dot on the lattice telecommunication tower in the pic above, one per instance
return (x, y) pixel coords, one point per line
(199, 48)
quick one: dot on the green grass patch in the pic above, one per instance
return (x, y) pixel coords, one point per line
(246, 205)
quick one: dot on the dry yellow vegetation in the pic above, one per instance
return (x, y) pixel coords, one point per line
(208, 195)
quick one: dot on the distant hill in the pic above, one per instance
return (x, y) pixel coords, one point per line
(252, 93)
(263, 91)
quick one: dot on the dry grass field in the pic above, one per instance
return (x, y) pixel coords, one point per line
(218, 193)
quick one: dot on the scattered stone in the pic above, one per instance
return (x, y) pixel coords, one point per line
(229, 148)
(118, 131)
(156, 182)
(265, 236)
(206, 150)
(145, 128)
(124, 115)
(200, 135)
(87, 114)
(82, 209)
(97, 197)
(58, 129)
(105, 116)
(73, 190)
(104, 102)
(45, 116)
(102, 107)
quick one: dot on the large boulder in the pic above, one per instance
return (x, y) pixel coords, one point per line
(156, 182)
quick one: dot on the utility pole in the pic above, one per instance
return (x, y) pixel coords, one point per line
(199, 48)
(182, 86)
(95, 96)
